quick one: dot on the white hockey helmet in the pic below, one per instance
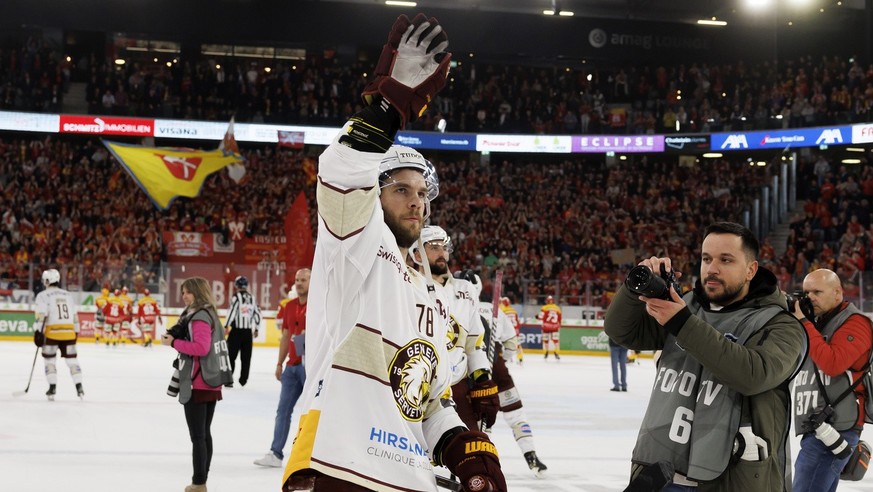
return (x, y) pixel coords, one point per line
(402, 157)
(51, 276)
(431, 233)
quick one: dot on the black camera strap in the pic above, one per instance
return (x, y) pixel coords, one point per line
(848, 391)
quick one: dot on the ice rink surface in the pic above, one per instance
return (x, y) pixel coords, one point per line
(129, 435)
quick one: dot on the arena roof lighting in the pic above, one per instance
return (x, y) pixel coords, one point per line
(712, 155)
(711, 22)
(851, 161)
(398, 3)
(563, 13)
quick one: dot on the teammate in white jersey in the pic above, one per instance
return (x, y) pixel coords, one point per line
(57, 327)
(377, 416)
(505, 345)
(473, 390)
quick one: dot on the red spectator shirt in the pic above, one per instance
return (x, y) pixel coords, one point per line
(294, 320)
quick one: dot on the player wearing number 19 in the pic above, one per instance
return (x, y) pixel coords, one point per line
(57, 327)
(720, 406)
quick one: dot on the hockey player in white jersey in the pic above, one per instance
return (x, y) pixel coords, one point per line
(473, 389)
(57, 327)
(506, 345)
(376, 412)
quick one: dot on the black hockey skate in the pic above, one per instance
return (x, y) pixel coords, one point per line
(51, 392)
(80, 391)
(535, 464)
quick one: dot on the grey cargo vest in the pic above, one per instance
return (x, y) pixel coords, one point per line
(807, 397)
(685, 392)
(214, 366)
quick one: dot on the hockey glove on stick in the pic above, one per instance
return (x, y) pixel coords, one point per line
(485, 402)
(418, 67)
(473, 458)
(38, 338)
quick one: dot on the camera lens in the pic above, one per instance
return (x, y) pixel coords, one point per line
(641, 280)
(173, 388)
(831, 438)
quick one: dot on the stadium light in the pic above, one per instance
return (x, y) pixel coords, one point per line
(759, 4)
(712, 155)
(398, 3)
(851, 161)
(711, 22)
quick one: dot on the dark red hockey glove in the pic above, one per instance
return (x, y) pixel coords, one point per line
(473, 458)
(485, 402)
(38, 338)
(389, 51)
(414, 69)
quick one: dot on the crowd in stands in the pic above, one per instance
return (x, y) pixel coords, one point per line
(570, 227)
(834, 228)
(567, 227)
(67, 204)
(503, 99)
(480, 97)
(33, 76)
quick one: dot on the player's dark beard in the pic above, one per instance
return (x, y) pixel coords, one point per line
(725, 298)
(405, 238)
(439, 268)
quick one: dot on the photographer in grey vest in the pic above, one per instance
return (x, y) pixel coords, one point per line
(828, 410)
(202, 367)
(718, 414)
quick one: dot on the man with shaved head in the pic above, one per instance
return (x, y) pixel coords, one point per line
(840, 338)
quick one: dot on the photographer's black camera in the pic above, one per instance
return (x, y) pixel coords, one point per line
(805, 302)
(642, 281)
(792, 299)
(178, 331)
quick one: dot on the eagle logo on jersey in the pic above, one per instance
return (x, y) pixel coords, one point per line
(412, 372)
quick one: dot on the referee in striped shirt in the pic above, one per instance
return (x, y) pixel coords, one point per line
(243, 318)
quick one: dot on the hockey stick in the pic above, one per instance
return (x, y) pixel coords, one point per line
(29, 379)
(496, 292)
(490, 328)
(449, 483)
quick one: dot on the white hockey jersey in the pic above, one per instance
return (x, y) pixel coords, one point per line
(505, 331)
(56, 307)
(377, 361)
(466, 333)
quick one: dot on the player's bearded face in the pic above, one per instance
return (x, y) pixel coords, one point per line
(403, 203)
(437, 258)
